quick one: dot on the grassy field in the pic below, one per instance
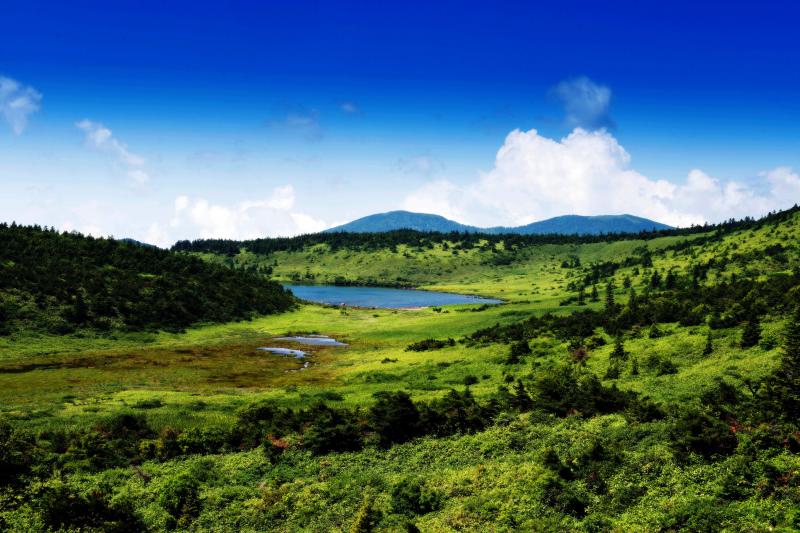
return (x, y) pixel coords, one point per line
(493, 480)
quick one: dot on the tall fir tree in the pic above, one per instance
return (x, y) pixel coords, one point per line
(611, 305)
(709, 348)
(752, 332)
(619, 349)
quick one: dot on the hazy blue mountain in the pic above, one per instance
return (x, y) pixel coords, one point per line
(567, 224)
(402, 220)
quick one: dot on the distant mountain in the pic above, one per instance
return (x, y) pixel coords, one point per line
(394, 220)
(566, 225)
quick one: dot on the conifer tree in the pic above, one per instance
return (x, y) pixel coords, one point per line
(709, 348)
(619, 349)
(611, 305)
(790, 360)
(595, 296)
(752, 332)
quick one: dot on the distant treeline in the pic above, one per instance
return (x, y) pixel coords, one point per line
(58, 282)
(465, 241)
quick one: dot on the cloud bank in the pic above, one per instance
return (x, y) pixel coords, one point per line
(17, 102)
(273, 216)
(589, 173)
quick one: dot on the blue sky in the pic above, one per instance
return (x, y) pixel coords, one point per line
(180, 120)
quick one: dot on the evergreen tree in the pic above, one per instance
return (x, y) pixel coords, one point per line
(790, 361)
(595, 296)
(635, 366)
(581, 297)
(633, 302)
(655, 280)
(671, 280)
(752, 332)
(522, 400)
(611, 305)
(709, 348)
(626, 282)
(619, 349)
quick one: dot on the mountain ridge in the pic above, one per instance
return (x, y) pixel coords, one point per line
(564, 224)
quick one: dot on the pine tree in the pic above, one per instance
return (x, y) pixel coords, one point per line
(619, 349)
(752, 332)
(522, 400)
(671, 280)
(611, 305)
(655, 280)
(633, 302)
(581, 297)
(626, 282)
(709, 349)
(635, 366)
(595, 296)
(790, 361)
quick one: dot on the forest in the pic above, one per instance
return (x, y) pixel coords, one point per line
(62, 282)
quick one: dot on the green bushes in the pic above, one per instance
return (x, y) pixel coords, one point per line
(429, 344)
(412, 497)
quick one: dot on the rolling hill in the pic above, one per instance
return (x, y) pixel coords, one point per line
(566, 225)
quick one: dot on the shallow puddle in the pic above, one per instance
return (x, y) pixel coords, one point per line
(299, 354)
(313, 340)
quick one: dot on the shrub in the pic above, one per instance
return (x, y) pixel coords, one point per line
(412, 497)
(394, 417)
(429, 344)
(331, 430)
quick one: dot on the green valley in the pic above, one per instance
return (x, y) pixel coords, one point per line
(627, 383)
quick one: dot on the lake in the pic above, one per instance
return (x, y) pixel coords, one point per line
(382, 297)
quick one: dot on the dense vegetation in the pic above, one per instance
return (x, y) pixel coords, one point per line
(59, 282)
(640, 384)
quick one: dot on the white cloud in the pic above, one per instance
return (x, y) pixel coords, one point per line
(270, 217)
(349, 107)
(17, 102)
(589, 173)
(101, 138)
(586, 103)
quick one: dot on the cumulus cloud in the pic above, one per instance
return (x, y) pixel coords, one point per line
(586, 104)
(589, 173)
(17, 102)
(101, 138)
(273, 216)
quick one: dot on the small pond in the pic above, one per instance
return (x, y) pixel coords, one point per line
(299, 354)
(382, 297)
(312, 340)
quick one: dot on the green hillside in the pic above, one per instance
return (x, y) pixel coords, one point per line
(646, 384)
(60, 282)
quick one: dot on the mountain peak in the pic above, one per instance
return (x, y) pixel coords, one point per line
(564, 224)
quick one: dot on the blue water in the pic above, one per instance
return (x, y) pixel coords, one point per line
(382, 297)
(299, 354)
(313, 340)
